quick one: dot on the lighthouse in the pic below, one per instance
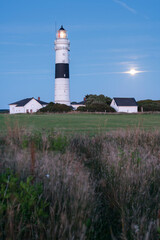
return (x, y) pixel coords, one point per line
(62, 48)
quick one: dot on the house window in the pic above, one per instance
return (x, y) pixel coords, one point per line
(30, 110)
(27, 111)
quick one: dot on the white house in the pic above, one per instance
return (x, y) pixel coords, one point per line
(27, 105)
(128, 105)
(75, 105)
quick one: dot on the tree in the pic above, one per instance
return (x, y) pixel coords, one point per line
(73, 102)
(92, 99)
(149, 105)
(98, 103)
(82, 109)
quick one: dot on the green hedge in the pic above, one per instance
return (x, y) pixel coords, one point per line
(56, 107)
(96, 107)
(149, 105)
(100, 107)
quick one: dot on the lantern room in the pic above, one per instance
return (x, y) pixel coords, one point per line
(62, 33)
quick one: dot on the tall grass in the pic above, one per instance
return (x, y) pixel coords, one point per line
(80, 187)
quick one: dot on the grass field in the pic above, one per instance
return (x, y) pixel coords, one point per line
(76, 186)
(80, 122)
(80, 187)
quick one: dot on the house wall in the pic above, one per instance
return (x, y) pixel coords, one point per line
(12, 109)
(30, 107)
(114, 105)
(75, 106)
(127, 109)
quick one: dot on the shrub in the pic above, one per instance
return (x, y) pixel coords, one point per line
(99, 107)
(51, 107)
(149, 105)
(81, 109)
(48, 108)
(64, 186)
(57, 143)
(22, 208)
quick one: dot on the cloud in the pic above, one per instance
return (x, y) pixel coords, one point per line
(126, 6)
(126, 63)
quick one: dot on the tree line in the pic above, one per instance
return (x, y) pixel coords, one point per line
(100, 103)
(92, 103)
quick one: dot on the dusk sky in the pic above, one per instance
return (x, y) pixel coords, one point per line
(108, 38)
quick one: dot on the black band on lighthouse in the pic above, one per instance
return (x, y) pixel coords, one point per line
(62, 70)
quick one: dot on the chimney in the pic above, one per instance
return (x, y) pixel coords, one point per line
(38, 98)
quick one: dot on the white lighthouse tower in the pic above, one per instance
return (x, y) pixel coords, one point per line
(62, 48)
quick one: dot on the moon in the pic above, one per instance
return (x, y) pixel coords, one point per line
(133, 71)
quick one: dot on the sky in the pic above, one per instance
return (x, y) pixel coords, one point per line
(107, 37)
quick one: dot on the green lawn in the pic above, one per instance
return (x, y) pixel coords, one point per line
(80, 122)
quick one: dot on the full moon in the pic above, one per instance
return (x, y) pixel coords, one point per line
(133, 71)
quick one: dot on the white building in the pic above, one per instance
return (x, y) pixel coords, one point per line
(28, 105)
(62, 48)
(128, 105)
(75, 105)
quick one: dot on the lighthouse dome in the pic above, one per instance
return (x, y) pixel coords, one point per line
(61, 28)
(62, 33)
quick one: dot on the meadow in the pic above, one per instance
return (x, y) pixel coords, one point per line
(57, 183)
(72, 123)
